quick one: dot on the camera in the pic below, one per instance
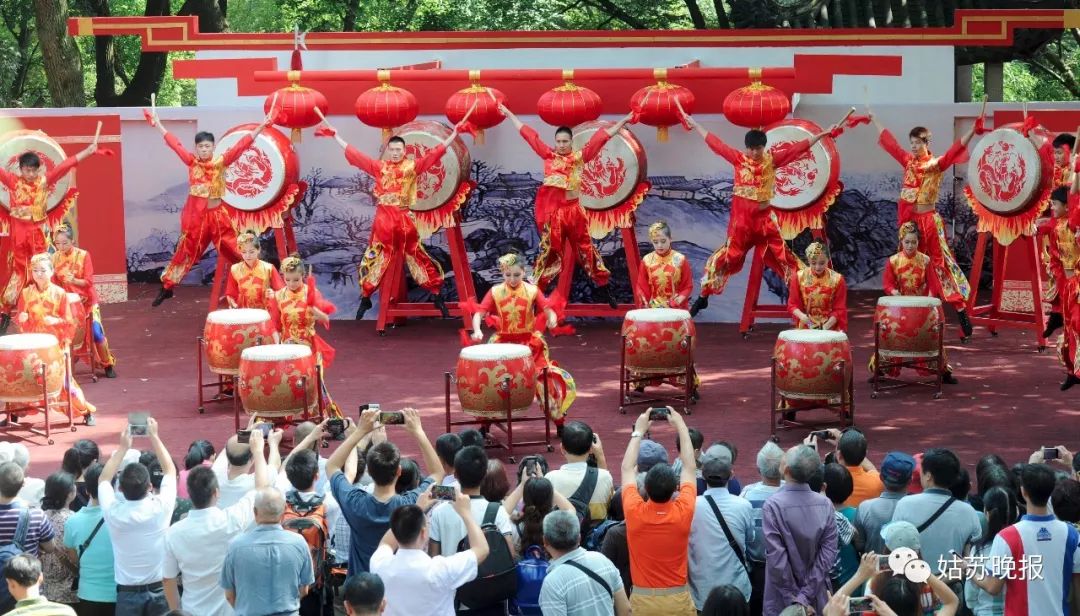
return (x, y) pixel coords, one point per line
(445, 493)
(658, 413)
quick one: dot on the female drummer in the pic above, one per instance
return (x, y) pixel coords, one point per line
(43, 309)
(252, 282)
(294, 310)
(74, 272)
(664, 278)
(515, 303)
(817, 296)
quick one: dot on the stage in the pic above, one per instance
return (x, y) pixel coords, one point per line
(1006, 387)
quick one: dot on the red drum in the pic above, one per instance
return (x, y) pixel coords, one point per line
(489, 373)
(229, 332)
(272, 383)
(910, 326)
(21, 357)
(1006, 171)
(17, 142)
(441, 190)
(808, 364)
(262, 173)
(610, 178)
(657, 340)
(78, 318)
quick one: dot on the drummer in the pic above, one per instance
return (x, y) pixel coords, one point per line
(252, 282)
(43, 309)
(74, 271)
(294, 310)
(514, 304)
(817, 295)
(1062, 250)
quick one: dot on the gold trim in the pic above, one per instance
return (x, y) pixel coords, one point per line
(383, 75)
(1071, 18)
(84, 26)
(568, 74)
(660, 74)
(474, 75)
(755, 73)
(293, 77)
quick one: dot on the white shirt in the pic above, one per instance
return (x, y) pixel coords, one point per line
(419, 584)
(567, 479)
(195, 548)
(230, 491)
(137, 529)
(448, 528)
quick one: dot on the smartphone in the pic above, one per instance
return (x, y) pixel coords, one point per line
(883, 562)
(860, 605)
(370, 406)
(1050, 453)
(243, 436)
(445, 493)
(392, 418)
(335, 427)
(530, 468)
(137, 424)
(657, 413)
(266, 428)
(821, 435)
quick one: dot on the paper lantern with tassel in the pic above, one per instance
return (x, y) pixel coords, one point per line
(568, 104)
(296, 105)
(487, 100)
(756, 105)
(655, 105)
(386, 106)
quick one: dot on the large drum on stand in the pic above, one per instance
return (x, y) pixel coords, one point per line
(229, 332)
(21, 359)
(658, 340)
(807, 186)
(490, 374)
(812, 364)
(278, 380)
(263, 183)
(17, 143)
(443, 188)
(909, 326)
(614, 183)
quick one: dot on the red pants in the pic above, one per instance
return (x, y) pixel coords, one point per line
(560, 221)
(394, 230)
(954, 285)
(26, 240)
(199, 226)
(750, 226)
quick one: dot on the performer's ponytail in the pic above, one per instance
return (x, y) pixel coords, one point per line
(815, 250)
(248, 237)
(292, 263)
(511, 259)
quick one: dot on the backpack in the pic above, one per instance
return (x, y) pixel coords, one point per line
(531, 571)
(10, 550)
(595, 540)
(308, 519)
(496, 577)
(581, 497)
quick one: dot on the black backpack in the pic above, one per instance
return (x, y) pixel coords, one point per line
(10, 550)
(580, 500)
(496, 577)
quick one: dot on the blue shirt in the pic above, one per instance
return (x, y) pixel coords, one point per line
(265, 568)
(368, 517)
(96, 579)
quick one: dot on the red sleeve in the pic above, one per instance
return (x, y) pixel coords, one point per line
(789, 152)
(275, 313)
(20, 305)
(888, 278)
(1045, 227)
(276, 283)
(88, 276)
(232, 289)
(542, 303)
(724, 150)
(363, 162)
(59, 171)
(686, 279)
(951, 156)
(318, 300)
(839, 306)
(644, 289)
(430, 159)
(595, 144)
(542, 149)
(794, 297)
(186, 157)
(1074, 211)
(892, 148)
(488, 305)
(66, 329)
(232, 154)
(7, 178)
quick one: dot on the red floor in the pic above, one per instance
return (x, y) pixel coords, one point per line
(1007, 401)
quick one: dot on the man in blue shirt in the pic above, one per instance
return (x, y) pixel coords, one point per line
(97, 581)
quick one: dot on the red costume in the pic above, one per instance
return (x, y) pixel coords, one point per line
(820, 297)
(662, 278)
(1069, 345)
(293, 316)
(559, 218)
(26, 223)
(203, 219)
(52, 303)
(906, 275)
(77, 264)
(394, 229)
(752, 222)
(247, 285)
(1060, 257)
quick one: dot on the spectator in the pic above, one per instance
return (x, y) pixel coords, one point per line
(578, 582)
(875, 513)
(698, 441)
(267, 570)
(447, 446)
(851, 449)
(234, 469)
(800, 537)
(837, 488)
(733, 484)
(200, 453)
(340, 533)
(409, 477)
(658, 531)
(895, 594)
(137, 525)
(578, 441)
(195, 547)
(727, 601)
(769, 458)
(363, 595)
(86, 453)
(368, 514)
(33, 488)
(539, 498)
(60, 568)
(1054, 542)
(961, 490)
(301, 441)
(722, 529)
(1065, 501)
(302, 500)
(417, 583)
(1001, 511)
(471, 438)
(23, 577)
(39, 531)
(944, 523)
(447, 527)
(495, 488)
(615, 545)
(86, 536)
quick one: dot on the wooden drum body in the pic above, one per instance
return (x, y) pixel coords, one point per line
(275, 380)
(909, 326)
(78, 318)
(808, 364)
(657, 340)
(21, 358)
(488, 374)
(229, 332)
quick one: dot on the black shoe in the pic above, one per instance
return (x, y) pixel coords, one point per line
(965, 323)
(558, 430)
(365, 305)
(110, 372)
(701, 303)
(440, 303)
(5, 322)
(949, 379)
(1069, 381)
(162, 295)
(695, 396)
(89, 420)
(1053, 323)
(789, 416)
(605, 293)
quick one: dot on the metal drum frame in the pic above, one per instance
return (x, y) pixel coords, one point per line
(86, 353)
(9, 410)
(882, 382)
(505, 424)
(628, 381)
(844, 410)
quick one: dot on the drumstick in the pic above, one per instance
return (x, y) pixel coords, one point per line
(846, 116)
(97, 133)
(273, 103)
(319, 113)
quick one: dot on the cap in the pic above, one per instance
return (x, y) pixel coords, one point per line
(716, 468)
(651, 454)
(901, 535)
(897, 468)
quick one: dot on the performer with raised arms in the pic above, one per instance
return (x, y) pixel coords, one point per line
(817, 295)
(74, 272)
(559, 215)
(252, 281)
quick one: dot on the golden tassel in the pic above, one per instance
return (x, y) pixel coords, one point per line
(296, 135)
(662, 134)
(386, 133)
(479, 139)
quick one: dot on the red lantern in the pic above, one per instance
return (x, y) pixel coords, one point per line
(568, 104)
(655, 106)
(386, 106)
(295, 107)
(485, 115)
(756, 105)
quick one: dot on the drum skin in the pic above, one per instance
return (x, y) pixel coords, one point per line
(808, 364)
(800, 183)
(1005, 170)
(441, 182)
(21, 357)
(909, 326)
(263, 172)
(613, 176)
(482, 372)
(271, 380)
(16, 143)
(229, 332)
(657, 340)
(78, 318)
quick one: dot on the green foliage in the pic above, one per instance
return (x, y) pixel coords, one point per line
(1043, 77)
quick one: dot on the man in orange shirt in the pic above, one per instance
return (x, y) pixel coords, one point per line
(658, 530)
(851, 452)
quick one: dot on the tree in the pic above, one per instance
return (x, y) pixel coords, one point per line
(60, 55)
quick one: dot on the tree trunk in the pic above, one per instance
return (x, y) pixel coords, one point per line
(721, 15)
(211, 14)
(348, 24)
(59, 54)
(610, 8)
(148, 74)
(696, 16)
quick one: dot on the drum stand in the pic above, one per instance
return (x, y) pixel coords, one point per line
(225, 391)
(844, 409)
(505, 424)
(628, 380)
(906, 362)
(566, 279)
(1002, 311)
(86, 352)
(752, 310)
(11, 424)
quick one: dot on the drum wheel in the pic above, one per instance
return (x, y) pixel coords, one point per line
(746, 335)
(73, 428)
(1041, 348)
(50, 441)
(622, 410)
(686, 410)
(873, 395)
(202, 409)
(512, 460)
(550, 448)
(937, 395)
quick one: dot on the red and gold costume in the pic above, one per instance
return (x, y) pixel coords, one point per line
(1061, 255)
(27, 225)
(293, 316)
(1069, 344)
(78, 264)
(820, 296)
(203, 219)
(516, 311)
(394, 228)
(559, 218)
(906, 275)
(39, 305)
(247, 284)
(921, 185)
(752, 223)
(662, 278)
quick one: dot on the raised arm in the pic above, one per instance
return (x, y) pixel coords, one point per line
(629, 462)
(172, 141)
(168, 468)
(686, 448)
(117, 458)
(431, 459)
(337, 459)
(891, 146)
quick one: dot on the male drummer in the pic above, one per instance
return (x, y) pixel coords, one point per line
(394, 229)
(29, 219)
